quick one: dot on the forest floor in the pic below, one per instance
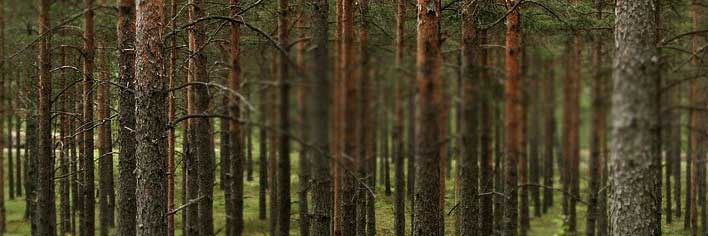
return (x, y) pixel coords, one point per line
(548, 224)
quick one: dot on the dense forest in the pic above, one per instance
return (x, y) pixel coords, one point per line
(353, 117)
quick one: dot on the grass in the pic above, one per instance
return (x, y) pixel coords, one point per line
(548, 224)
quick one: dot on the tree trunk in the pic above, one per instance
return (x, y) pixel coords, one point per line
(633, 167)
(127, 208)
(171, 113)
(88, 219)
(45, 214)
(202, 129)
(428, 218)
(18, 148)
(550, 135)
(304, 160)
(571, 124)
(486, 122)
(151, 120)
(693, 120)
(283, 175)
(468, 166)
(512, 125)
(593, 211)
(65, 212)
(105, 155)
(399, 206)
(319, 100)
(524, 221)
(235, 130)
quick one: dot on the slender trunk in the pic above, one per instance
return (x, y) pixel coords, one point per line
(171, 113)
(10, 161)
(105, 155)
(693, 122)
(350, 163)
(397, 132)
(512, 125)
(3, 112)
(127, 208)
(535, 142)
(428, 218)
(319, 100)
(633, 166)
(468, 166)
(304, 160)
(571, 124)
(593, 212)
(235, 131)
(524, 221)
(486, 122)
(550, 135)
(45, 214)
(65, 217)
(88, 220)
(18, 148)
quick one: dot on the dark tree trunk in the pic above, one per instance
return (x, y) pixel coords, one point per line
(319, 118)
(283, 163)
(468, 161)
(571, 124)
(10, 160)
(428, 218)
(105, 155)
(18, 148)
(303, 108)
(151, 120)
(486, 160)
(550, 135)
(512, 124)
(171, 113)
(45, 211)
(633, 167)
(88, 219)
(593, 211)
(65, 212)
(127, 208)
(399, 207)
(235, 131)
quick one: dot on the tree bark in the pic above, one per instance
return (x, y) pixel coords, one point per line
(593, 211)
(319, 118)
(399, 206)
(171, 113)
(45, 212)
(89, 201)
(127, 208)
(105, 156)
(549, 135)
(633, 167)
(151, 119)
(468, 161)
(428, 218)
(283, 175)
(65, 212)
(512, 125)
(235, 130)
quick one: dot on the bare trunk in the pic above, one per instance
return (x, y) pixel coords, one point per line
(512, 125)
(45, 212)
(633, 167)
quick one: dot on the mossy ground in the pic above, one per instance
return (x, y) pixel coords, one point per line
(548, 224)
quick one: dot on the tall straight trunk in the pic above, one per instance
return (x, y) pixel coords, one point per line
(674, 148)
(534, 136)
(486, 210)
(202, 129)
(235, 130)
(225, 150)
(18, 148)
(151, 119)
(78, 154)
(633, 167)
(304, 158)
(524, 219)
(512, 125)
(693, 122)
(127, 208)
(349, 185)
(499, 169)
(603, 218)
(571, 124)
(263, 173)
(468, 166)
(386, 157)
(367, 136)
(593, 212)
(399, 206)
(88, 219)
(338, 119)
(32, 175)
(283, 176)
(65, 211)
(273, 151)
(319, 118)
(428, 218)
(105, 155)
(171, 113)
(658, 129)
(10, 158)
(550, 135)
(45, 212)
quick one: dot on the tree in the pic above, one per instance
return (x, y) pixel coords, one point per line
(151, 120)
(398, 158)
(65, 214)
(632, 168)
(593, 212)
(235, 129)
(127, 208)
(88, 217)
(45, 212)
(468, 161)
(283, 175)
(571, 127)
(105, 147)
(512, 125)
(428, 213)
